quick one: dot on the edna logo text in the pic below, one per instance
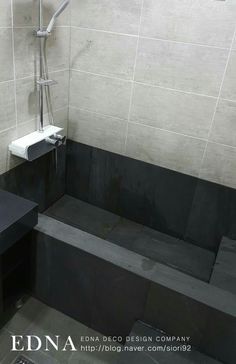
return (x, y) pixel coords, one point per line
(47, 343)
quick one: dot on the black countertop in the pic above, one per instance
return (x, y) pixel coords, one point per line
(17, 217)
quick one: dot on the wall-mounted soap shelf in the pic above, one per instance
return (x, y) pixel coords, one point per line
(36, 144)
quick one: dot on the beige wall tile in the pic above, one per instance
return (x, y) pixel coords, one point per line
(5, 13)
(6, 55)
(117, 16)
(181, 66)
(100, 131)
(167, 149)
(100, 94)
(176, 111)
(7, 105)
(103, 53)
(203, 21)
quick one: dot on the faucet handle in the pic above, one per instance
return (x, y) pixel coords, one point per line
(59, 137)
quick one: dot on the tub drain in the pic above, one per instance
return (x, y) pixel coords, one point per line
(23, 360)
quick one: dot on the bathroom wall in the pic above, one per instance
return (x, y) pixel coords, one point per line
(155, 80)
(19, 67)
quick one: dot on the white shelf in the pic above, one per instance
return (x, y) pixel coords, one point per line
(20, 147)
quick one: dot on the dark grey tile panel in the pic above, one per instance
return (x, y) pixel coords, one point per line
(211, 331)
(146, 268)
(17, 217)
(158, 356)
(189, 208)
(87, 287)
(224, 271)
(139, 191)
(164, 249)
(119, 299)
(39, 181)
(177, 303)
(80, 214)
(150, 243)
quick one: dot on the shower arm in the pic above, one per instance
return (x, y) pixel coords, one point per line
(45, 33)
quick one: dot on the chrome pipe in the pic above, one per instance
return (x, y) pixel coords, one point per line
(41, 105)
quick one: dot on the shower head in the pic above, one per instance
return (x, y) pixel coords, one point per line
(56, 15)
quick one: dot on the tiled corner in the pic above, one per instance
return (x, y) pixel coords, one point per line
(229, 85)
(97, 130)
(219, 165)
(224, 126)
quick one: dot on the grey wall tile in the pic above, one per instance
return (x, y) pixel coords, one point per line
(176, 111)
(61, 119)
(181, 66)
(229, 85)
(58, 48)
(224, 126)
(167, 149)
(5, 13)
(204, 21)
(219, 165)
(26, 52)
(25, 12)
(6, 160)
(103, 53)
(27, 95)
(99, 131)
(60, 91)
(6, 55)
(7, 105)
(26, 99)
(118, 16)
(100, 94)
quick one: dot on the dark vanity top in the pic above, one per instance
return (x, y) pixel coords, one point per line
(17, 217)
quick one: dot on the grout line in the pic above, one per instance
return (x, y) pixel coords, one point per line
(148, 38)
(104, 31)
(143, 83)
(132, 86)
(34, 75)
(35, 26)
(167, 131)
(101, 75)
(217, 103)
(120, 79)
(185, 43)
(97, 113)
(174, 89)
(8, 129)
(29, 120)
(150, 126)
(13, 59)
